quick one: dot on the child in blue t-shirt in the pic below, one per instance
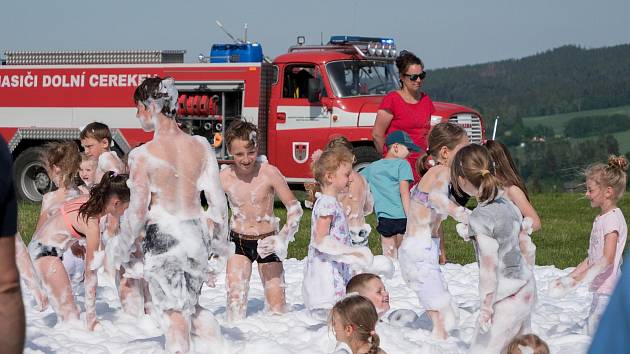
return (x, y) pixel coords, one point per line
(389, 183)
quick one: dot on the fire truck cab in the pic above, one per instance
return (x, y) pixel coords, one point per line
(298, 101)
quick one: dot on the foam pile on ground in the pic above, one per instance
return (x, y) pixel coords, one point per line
(561, 322)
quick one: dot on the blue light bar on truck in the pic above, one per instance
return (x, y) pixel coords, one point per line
(359, 39)
(370, 46)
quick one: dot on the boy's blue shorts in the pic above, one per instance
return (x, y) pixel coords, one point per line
(391, 227)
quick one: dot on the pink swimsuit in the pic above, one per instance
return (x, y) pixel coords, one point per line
(72, 206)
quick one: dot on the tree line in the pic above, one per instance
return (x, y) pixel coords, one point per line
(561, 80)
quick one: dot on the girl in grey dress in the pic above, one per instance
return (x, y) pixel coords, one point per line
(506, 284)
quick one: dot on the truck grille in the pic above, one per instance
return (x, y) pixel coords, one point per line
(471, 124)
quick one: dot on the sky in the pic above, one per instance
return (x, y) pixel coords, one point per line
(443, 33)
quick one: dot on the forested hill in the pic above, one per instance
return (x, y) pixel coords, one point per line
(565, 79)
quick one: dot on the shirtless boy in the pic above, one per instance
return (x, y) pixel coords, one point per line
(167, 175)
(251, 186)
(96, 140)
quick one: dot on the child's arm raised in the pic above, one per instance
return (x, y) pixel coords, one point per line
(93, 235)
(279, 243)
(517, 196)
(438, 195)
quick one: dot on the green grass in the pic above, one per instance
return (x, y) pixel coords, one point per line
(563, 240)
(558, 121)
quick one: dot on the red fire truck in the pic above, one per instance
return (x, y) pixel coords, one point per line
(297, 101)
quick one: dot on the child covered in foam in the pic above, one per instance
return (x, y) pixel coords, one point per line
(62, 162)
(372, 288)
(356, 201)
(516, 191)
(77, 219)
(75, 264)
(330, 252)
(87, 172)
(96, 140)
(430, 204)
(167, 175)
(254, 229)
(507, 288)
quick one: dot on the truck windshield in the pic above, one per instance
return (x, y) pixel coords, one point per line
(362, 78)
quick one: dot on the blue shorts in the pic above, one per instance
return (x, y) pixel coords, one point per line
(391, 227)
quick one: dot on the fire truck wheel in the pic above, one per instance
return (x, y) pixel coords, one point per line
(365, 155)
(29, 174)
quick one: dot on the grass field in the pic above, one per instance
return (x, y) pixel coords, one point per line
(559, 121)
(563, 240)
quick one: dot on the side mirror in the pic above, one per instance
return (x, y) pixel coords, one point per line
(314, 89)
(327, 102)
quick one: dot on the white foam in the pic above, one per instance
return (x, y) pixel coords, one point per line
(559, 322)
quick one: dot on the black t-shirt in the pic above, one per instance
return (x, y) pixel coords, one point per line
(8, 205)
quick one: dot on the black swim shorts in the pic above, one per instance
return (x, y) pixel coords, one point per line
(248, 248)
(47, 251)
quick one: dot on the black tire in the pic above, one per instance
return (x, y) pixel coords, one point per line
(365, 155)
(29, 175)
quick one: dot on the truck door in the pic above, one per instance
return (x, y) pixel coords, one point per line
(301, 126)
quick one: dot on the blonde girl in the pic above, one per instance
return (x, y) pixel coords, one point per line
(87, 172)
(429, 204)
(330, 252)
(507, 288)
(353, 320)
(356, 201)
(605, 185)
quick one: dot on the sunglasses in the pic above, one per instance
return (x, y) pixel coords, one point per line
(415, 77)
